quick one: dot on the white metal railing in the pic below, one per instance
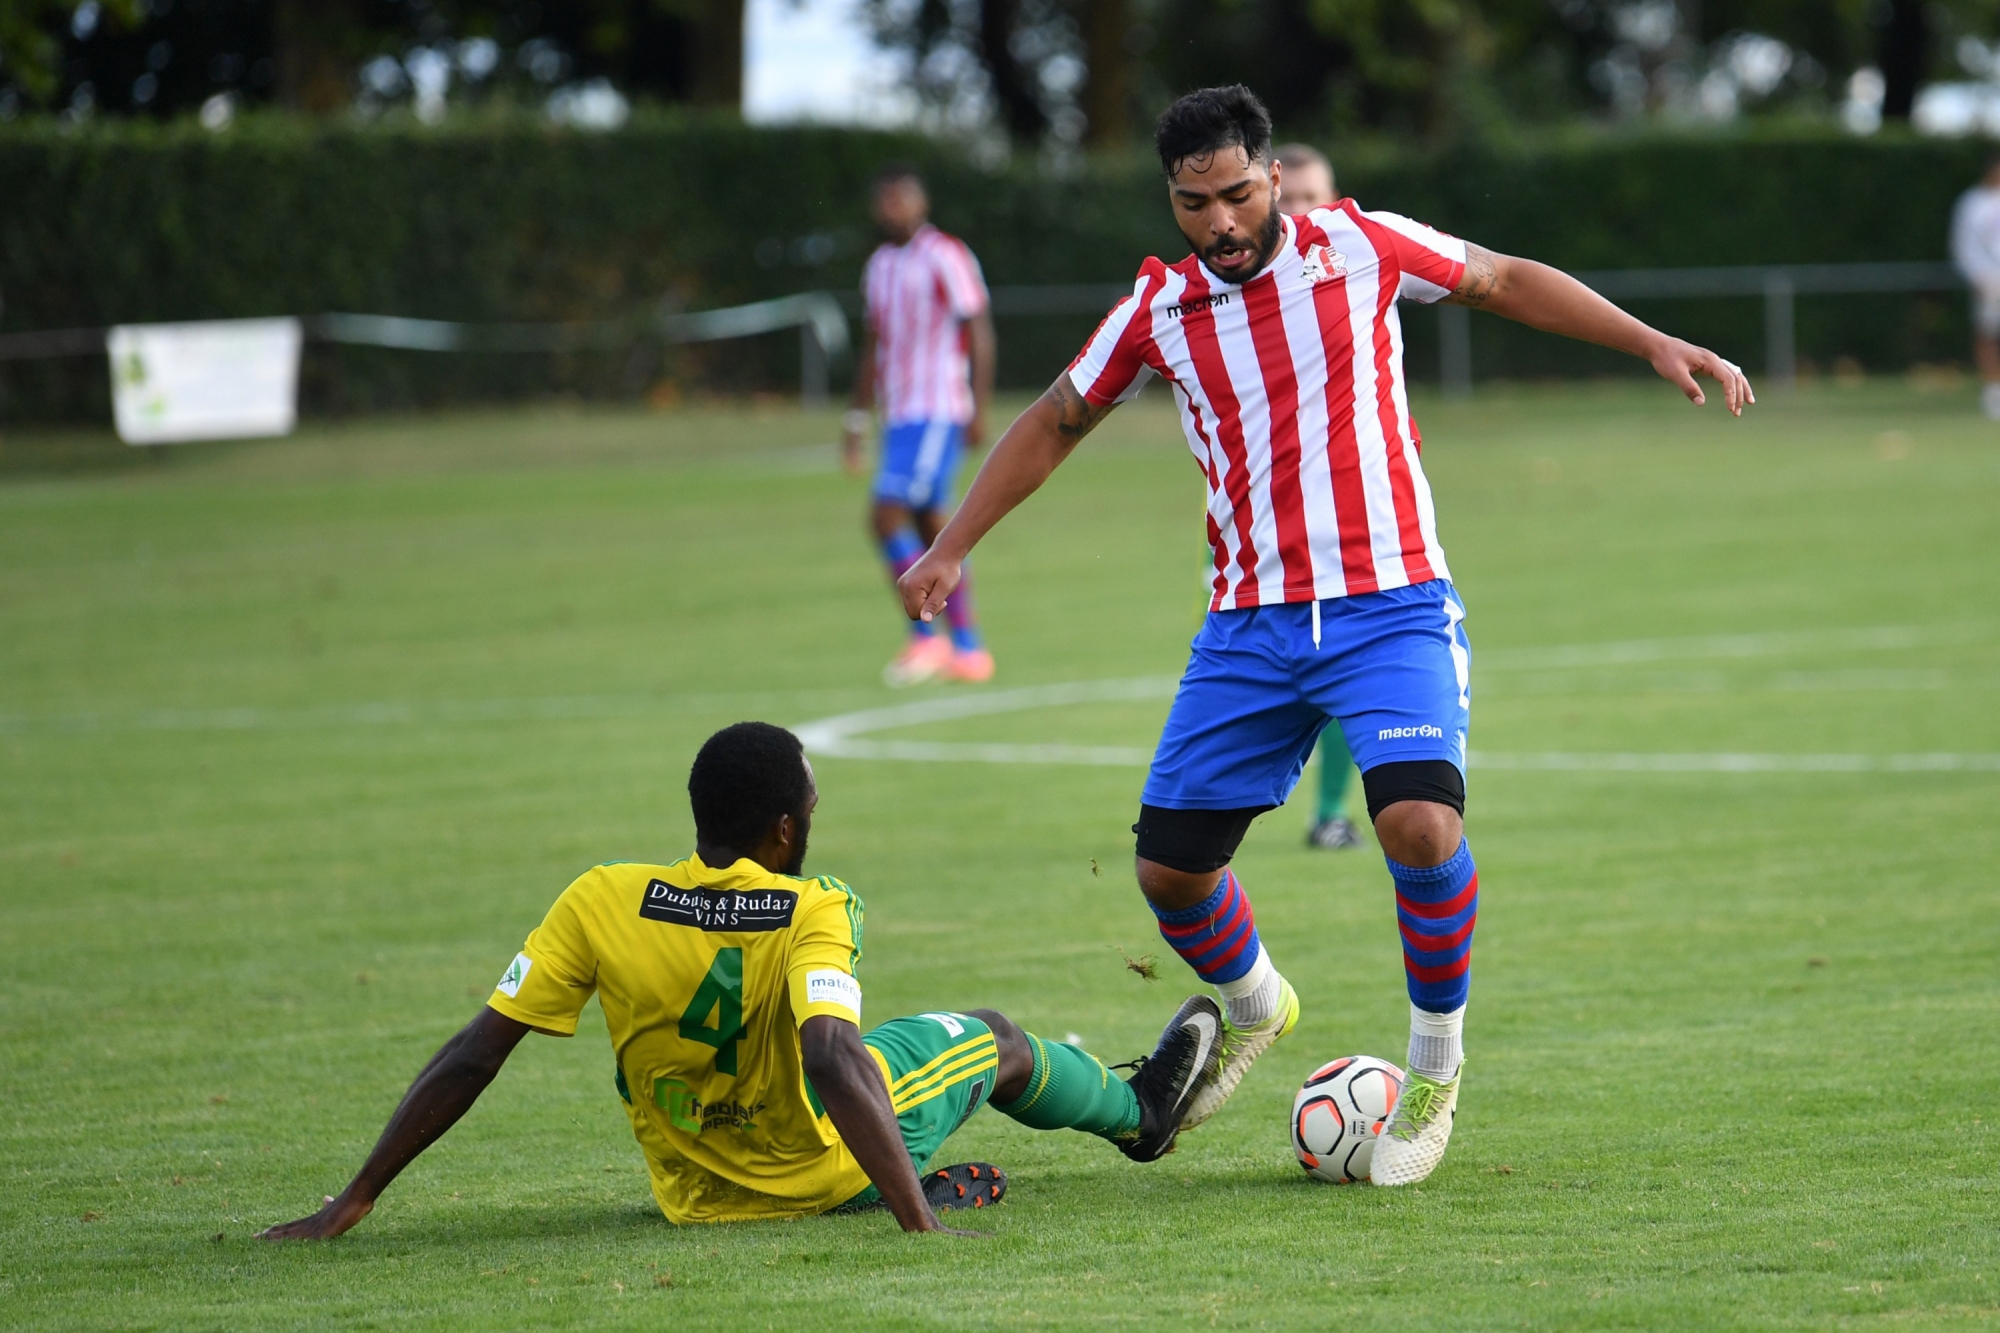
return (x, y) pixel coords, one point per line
(822, 326)
(822, 318)
(1779, 285)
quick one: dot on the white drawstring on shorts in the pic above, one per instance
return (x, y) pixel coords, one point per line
(1315, 625)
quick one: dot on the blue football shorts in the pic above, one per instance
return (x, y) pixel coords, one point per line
(1394, 668)
(919, 463)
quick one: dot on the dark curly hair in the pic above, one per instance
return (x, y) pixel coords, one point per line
(1209, 119)
(890, 172)
(744, 778)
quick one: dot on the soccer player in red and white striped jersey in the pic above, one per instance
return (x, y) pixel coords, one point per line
(1330, 597)
(927, 354)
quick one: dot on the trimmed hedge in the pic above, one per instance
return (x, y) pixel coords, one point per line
(511, 220)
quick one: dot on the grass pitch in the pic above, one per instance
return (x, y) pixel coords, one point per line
(299, 739)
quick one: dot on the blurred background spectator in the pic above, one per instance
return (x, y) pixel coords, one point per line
(1975, 248)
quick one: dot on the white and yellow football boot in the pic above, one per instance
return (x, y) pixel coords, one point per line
(1414, 1142)
(1238, 1050)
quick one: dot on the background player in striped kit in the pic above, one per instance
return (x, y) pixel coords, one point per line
(1309, 185)
(1280, 340)
(927, 352)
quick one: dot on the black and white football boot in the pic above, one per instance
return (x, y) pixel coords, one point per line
(1168, 1081)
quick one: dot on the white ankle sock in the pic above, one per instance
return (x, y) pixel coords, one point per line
(1437, 1042)
(1252, 998)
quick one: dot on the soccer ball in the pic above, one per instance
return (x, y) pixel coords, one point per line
(1344, 1105)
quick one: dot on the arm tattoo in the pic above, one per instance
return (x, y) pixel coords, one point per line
(1480, 277)
(1075, 414)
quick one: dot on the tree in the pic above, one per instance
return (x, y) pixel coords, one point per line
(317, 56)
(1903, 54)
(1108, 59)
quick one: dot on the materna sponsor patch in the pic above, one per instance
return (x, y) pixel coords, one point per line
(829, 985)
(517, 972)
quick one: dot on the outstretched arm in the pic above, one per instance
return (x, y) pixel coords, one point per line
(446, 1090)
(849, 1084)
(1021, 461)
(1547, 298)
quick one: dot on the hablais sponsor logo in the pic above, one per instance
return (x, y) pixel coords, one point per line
(692, 1115)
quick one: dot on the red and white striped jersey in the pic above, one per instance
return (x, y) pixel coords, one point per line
(1291, 394)
(919, 294)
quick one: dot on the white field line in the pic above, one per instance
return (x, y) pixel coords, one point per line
(390, 714)
(1722, 647)
(846, 735)
(1589, 762)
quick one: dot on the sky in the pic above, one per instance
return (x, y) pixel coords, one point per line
(814, 60)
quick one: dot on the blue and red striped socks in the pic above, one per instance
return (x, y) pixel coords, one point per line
(958, 611)
(1436, 909)
(902, 548)
(1217, 937)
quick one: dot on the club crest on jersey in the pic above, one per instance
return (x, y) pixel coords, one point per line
(1324, 264)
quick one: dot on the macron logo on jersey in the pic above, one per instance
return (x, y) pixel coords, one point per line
(1427, 731)
(516, 973)
(829, 985)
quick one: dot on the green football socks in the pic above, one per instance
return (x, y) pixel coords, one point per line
(1336, 768)
(1071, 1089)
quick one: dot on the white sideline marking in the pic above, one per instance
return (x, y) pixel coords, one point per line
(836, 736)
(843, 737)
(1711, 647)
(1572, 762)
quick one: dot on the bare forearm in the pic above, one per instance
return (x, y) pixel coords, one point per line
(1020, 462)
(446, 1090)
(1030, 450)
(439, 1098)
(1549, 299)
(850, 1086)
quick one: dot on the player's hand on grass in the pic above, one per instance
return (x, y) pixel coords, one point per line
(1679, 362)
(926, 584)
(337, 1216)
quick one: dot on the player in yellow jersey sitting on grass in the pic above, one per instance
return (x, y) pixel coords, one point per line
(728, 985)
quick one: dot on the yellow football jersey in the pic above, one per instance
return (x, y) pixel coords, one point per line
(705, 975)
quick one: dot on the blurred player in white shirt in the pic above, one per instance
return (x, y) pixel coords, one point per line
(927, 353)
(1975, 248)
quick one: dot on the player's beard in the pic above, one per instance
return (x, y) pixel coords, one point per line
(1264, 245)
(798, 861)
